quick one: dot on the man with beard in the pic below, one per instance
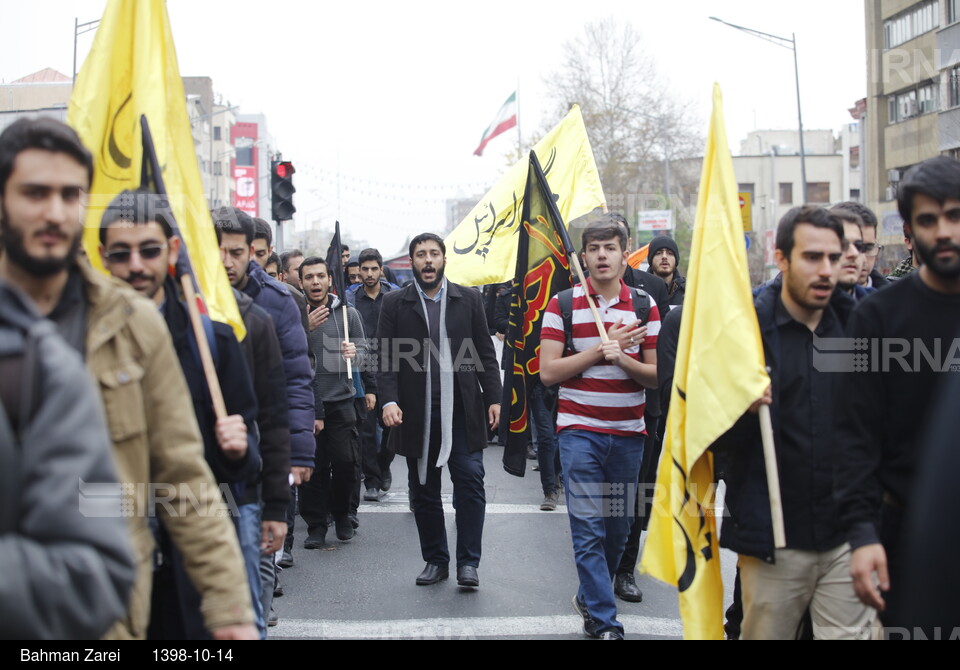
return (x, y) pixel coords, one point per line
(368, 299)
(912, 323)
(851, 265)
(664, 258)
(335, 426)
(439, 400)
(235, 232)
(45, 173)
(795, 312)
(138, 246)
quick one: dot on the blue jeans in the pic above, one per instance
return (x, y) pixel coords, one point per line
(546, 430)
(248, 532)
(601, 474)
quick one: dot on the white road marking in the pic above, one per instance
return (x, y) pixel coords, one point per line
(464, 628)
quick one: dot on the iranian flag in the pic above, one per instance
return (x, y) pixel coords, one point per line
(505, 120)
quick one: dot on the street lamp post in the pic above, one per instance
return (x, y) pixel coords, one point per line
(80, 29)
(790, 44)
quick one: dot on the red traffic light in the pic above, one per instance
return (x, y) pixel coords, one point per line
(285, 169)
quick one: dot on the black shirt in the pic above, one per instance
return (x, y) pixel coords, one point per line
(804, 448)
(908, 332)
(70, 314)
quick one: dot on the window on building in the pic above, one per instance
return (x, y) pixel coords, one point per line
(953, 11)
(245, 156)
(786, 193)
(217, 168)
(818, 192)
(953, 86)
(746, 188)
(855, 194)
(216, 133)
(927, 99)
(914, 22)
(906, 105)
(854, 157)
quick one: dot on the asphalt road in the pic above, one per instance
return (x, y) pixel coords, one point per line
(365, 588)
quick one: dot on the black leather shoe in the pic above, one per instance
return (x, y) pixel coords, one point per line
(317, 539)
(626, 589)
(432, 574)
(386, 481)
(354, 521)
(371, 495)
(467, 576)
(345, 531)
(286, 559)
(278, 591)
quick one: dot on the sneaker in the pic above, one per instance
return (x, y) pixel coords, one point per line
(610, 634)
(589, 623)
(549, 503)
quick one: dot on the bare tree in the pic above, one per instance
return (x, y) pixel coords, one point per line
(637, 127)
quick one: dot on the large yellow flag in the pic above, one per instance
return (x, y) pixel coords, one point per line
(720, 372)
(483, 248)
(132, 71)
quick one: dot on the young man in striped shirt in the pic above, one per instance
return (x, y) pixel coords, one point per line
(600, 415)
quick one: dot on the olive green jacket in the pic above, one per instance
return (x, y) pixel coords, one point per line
(158, 453)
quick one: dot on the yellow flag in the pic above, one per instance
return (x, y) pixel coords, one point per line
(720, 372)
(132, 71)
(483, 248)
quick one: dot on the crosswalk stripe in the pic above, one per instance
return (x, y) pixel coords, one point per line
(463, 628)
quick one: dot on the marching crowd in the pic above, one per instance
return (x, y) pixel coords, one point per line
(105, 381)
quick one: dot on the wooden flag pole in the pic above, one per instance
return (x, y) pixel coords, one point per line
(346, 338)
(209, 369)
(575, 262)
(773, 478)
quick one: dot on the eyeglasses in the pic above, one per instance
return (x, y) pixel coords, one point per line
(860, 246)
(147, 253)
(872, 250)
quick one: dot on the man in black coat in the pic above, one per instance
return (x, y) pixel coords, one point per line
(440, 389)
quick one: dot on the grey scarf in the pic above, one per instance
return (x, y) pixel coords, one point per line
(446, 393)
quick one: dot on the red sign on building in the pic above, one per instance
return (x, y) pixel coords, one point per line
(244, 168)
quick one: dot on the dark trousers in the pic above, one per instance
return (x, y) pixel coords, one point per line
(369, 452)
(335, 477)
(466, 473)
(891, 534)
(648, 479)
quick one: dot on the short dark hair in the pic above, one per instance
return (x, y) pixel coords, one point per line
(866, 214)
(285, 259)
(273, 258)
(233, 221)
(352, 264)
(427, 237)
(313, 260)
(846, 215)
(262, 231)
(138, 207)
(937, 178)
(344, 247)
(41, 133)
(815, 216)
(605, 227)
(371, 254)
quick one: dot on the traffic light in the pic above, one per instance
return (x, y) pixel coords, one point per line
(282, 190)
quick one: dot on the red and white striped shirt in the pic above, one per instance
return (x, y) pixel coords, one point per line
(604, 399)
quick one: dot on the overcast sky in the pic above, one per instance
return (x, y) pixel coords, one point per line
(394, 96)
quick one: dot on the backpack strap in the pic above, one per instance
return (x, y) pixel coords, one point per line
(641, 307)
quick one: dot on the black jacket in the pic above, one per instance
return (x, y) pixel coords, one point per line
(748, 528)
(402, 379)
(261, 348)
(235, 384)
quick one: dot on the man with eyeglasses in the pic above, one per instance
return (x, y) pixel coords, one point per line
(870, 276)
(853, 259)
(138, 246)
